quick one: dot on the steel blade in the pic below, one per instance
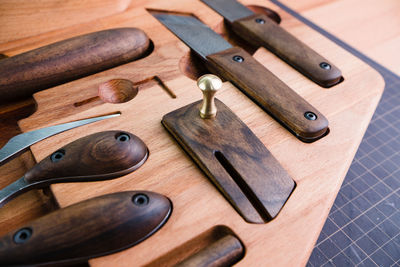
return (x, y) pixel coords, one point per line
(20, 142)
(195, 34)
(231, 10)
(13, 190)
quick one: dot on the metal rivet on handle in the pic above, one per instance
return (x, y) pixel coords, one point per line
(260, 21)
(57, 156)
(140, 199)
(238, 58)
(122, 137)
(325, 66)
(22, 235)
(310, 116)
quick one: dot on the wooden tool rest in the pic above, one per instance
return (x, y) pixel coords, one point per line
(234, 159)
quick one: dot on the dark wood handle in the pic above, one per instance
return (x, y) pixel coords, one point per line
(224, 252)
(260, 30)
(88, 229)
(264, 88)
(51, 65)
(99, 156)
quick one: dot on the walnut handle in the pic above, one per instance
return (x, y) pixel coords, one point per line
(260, 30)
(224, 252)
(270, 93)
(67, 60)
(98, 156)
(91, 228)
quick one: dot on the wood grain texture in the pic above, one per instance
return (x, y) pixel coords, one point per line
(317, 168)
(51, 65)
(102, 155)
(286, 46)
(224, 252)
(88, 229)
(239, 165)
(268, 91)
(21, 19)
(96, 157)
(117, 91)
(374, 29)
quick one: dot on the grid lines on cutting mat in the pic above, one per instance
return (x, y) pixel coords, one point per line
(363, 227)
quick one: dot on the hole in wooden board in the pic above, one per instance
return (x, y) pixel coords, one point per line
(218, 246)
(193, 67)
(118, 91)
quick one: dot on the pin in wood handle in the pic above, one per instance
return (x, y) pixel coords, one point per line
(99, 156)
(209, 84)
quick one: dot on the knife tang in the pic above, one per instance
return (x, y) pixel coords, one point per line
(91, 228)
(260, 30)
(274, 96)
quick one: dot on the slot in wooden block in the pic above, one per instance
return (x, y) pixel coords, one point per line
(235, 160)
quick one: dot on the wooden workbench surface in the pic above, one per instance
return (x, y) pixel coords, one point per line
(317, 186)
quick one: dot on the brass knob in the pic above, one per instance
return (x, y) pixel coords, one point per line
(209, 84)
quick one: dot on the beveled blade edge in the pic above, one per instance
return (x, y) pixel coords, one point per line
(231, 10)
(195, 34)
(21, 142)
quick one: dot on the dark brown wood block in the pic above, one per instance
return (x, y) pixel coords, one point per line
(91, 228)
(235, 160)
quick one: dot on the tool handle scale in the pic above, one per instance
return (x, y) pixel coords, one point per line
(259, 29)
(98, 156)
(88, 229)
(67, 60)
(269, 92)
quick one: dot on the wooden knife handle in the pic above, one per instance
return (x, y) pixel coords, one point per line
(91, 228)
(274, 96)
(260, 30)
(224, 252)
(67, 60)
(98, 156)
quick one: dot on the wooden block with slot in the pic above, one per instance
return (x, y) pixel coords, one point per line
(240, 166)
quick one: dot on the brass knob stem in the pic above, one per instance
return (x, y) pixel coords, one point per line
(209, 84)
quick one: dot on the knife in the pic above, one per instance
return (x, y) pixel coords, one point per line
(260, 30)
(88, 229)
(99, 156)
(70, 59)
(21, 142)
(240, 68)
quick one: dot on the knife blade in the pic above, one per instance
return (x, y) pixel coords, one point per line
(251, 77)
(21, 142)
(70, 59)
(260, 30)
(88, 229)
(99, 156)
